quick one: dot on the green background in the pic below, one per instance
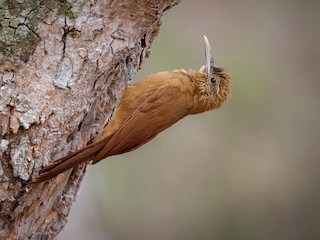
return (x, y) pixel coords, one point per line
(249, 170)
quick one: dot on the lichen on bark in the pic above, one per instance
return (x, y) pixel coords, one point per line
(63, 66)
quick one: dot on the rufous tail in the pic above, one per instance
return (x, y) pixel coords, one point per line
(63, 164)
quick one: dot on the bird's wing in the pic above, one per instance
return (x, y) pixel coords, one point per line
(158, 112)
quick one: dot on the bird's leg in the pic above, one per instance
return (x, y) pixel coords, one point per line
(129, 74)
(132, 71)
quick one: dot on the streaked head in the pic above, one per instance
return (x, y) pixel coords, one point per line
(214, 82)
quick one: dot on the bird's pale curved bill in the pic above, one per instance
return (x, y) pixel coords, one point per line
(209, 58)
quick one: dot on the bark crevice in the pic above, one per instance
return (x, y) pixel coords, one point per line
(63, 67)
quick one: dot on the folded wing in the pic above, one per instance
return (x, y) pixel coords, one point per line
(149, 119)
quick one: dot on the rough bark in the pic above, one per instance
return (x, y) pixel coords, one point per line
(63, 66)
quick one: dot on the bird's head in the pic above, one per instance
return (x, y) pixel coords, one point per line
(213, 83)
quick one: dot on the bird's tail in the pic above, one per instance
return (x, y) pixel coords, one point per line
(70, 161)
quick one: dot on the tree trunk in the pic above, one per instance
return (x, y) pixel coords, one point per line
(63, 66)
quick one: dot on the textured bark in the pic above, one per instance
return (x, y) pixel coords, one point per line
(63, 66)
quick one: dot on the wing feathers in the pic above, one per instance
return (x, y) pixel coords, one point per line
(149, 119)
(145, 122)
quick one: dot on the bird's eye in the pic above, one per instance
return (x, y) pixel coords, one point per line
(213, 80)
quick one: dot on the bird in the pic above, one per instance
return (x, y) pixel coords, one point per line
(148, 107)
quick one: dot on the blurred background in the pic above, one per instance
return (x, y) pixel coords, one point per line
(249, 170)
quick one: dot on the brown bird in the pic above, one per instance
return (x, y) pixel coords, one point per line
(148, 107)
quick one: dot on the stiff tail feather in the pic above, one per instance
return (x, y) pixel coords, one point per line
(63, 164)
